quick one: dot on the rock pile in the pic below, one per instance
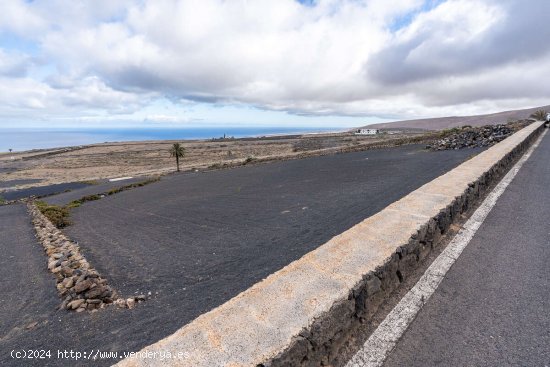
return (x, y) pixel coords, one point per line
(472, 137)
(79, 285)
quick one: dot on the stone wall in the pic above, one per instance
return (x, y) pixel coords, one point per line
(79, 285)
(302, 314)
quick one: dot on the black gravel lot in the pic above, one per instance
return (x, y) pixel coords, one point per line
(27, 289)
(197, 239)
(42, 190)
(10, 183)
(101, 187)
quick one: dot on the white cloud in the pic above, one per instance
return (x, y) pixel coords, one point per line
(333, 57)
(25, 97)
(14, 64)
(167, 119)
(20, 18)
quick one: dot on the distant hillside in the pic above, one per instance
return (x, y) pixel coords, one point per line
(448, 122)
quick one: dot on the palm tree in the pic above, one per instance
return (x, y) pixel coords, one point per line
(539, 115)
(178, 151)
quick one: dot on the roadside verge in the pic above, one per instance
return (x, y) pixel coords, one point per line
(302, 314)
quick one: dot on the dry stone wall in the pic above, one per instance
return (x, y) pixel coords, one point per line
(79, 285)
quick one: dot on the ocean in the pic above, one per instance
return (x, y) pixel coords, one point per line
(27, 139)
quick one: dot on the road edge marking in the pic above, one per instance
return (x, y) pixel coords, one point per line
(384, 339)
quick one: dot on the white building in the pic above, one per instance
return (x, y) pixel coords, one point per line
(367, 131)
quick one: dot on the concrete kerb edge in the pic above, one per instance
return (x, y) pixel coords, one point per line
(320, 340)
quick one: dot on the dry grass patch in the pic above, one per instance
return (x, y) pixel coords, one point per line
(58, 215)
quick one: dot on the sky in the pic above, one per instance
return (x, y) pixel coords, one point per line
(310, 63)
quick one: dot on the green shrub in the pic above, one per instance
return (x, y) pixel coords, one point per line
(89, 198)
(130, 186)
(58, 215)
(82, 200)
(539, 115)
(113, 191)
(74, 204)
(249, 160)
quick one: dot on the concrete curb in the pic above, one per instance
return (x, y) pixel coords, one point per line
(302, 314)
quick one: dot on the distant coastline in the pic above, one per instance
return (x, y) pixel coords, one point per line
(28, 139)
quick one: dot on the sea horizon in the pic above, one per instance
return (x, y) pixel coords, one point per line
(24, 139)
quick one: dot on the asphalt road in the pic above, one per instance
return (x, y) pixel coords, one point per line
(493, 307)
(196, 240)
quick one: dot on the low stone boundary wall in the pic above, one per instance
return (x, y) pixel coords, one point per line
(302, 314)
(79, 285)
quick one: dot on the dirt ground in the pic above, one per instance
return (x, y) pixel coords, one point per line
(109, 160)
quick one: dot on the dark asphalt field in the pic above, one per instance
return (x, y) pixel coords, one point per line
(101, 187)
(196, 240)
(493, 307)
(62, 194)
(10, 183)
(42, 190)
(27, 290)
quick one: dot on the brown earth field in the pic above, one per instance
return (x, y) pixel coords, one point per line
(44, 167)
(146, 158)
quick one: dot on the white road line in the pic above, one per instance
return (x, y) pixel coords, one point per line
(119, 179)
(385, 337)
